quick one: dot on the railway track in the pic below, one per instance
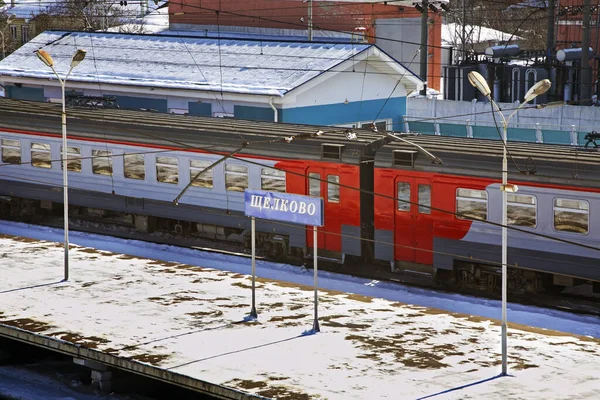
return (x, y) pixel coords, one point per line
(381, 272)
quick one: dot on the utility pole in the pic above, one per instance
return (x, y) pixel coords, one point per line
(424, 45)
(586, 88)
(310, 20)
(550, 33)
(463, 46)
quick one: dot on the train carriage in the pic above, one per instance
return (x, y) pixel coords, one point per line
(445, 219)
(130, 167)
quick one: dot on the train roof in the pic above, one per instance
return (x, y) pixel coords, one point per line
(483, 157)
(194, 133)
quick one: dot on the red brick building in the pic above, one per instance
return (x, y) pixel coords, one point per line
(394, 28)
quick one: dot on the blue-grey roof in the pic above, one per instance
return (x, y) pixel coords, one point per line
(228, 65)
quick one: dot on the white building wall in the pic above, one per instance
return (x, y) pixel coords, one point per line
(355, 84)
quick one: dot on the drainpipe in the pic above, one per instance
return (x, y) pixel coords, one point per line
(275, 116)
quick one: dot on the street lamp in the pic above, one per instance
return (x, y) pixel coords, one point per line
(45, 57)
(539, 88)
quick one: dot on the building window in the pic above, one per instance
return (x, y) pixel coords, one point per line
(205, 179)
(272, 179)
(13, 32)
(73, 159)
(40, 155)
(134, 166)
(425, 199)
(403, 196)
(24, 34)
(333, 189)
(236, 177)
(571, 215)
(11, 151)
(521, 210)
(102, 162)
(167, 170)
(471, 204)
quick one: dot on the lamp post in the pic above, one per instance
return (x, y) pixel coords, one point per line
(539, 88)
(47, 59)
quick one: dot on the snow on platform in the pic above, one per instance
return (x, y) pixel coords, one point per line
(190, 320)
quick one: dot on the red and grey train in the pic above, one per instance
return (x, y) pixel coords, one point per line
(385, 200)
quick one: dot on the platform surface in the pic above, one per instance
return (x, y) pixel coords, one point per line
(188, 321)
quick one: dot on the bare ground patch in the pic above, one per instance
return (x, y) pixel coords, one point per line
(152, 359)
(90, 342)
(264, 389)
(27, 324)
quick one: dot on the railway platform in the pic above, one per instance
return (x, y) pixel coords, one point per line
(188, 325)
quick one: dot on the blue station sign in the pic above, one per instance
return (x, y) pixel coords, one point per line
(294, 208)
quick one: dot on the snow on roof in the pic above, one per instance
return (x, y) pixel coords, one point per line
(452, 34)
(230, 65)
(187, 317)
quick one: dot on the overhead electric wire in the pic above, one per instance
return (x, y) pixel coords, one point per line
(373, 193)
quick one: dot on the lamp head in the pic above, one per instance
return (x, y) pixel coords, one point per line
(45, 57)
(77, 57)
(539, 88)
(479, 82)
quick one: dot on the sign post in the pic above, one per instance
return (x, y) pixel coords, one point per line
(294, 208)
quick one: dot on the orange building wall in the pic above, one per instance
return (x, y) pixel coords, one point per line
(287, 14)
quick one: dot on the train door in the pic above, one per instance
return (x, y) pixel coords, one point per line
(413, 224)
(324, 183)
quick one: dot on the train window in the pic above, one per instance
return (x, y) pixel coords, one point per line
(403, 196)
(272, 179)
(333, 189)
(40, 155)
(471, 204)
(205, 179)
(314, 184)
(11, 151)
(102, 162)
(521, 210)
(236, 177)
(571, 215)
(167, 170)
(134, 166)
(73, 158)
(425, 199)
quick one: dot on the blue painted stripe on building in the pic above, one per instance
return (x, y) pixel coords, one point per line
(486, 132)
(200, 109)
(521, 135)
(556, 137)
(141, 103)
(453, 130)
(25, 93)
(255, 113)
(341, 113)
(427, 128)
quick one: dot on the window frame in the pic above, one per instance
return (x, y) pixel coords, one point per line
(472, 199)
(510, 204)
(96, 158)
(335, 185)
(125, 155)
(161, 164)
(236, 173)
(10, 146)
(278, 176)
(571, 210)
(205, 176)
(406, 204)
(76, 159)
(39, 151)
